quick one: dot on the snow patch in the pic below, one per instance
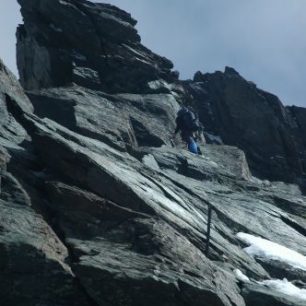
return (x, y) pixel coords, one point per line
(277, 285)
(240, 276)
(266, 249)
(285, 287)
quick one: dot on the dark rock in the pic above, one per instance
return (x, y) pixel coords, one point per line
(32, 258)
(233, 207)
(10, 87)
(94, 45)
(137, 208)
(231, 72)
(95, 209)
(100, 206)
(252, 119)
(298, 126)
(258, 295)
(10, 130)
(119, 120)
(280, 270)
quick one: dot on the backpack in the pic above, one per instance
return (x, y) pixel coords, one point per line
(186, 120)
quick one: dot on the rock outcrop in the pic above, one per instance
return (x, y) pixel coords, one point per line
(33, 263)
(91, 44)
(256, 121)
(99, 206)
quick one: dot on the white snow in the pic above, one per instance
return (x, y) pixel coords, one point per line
(285, 287)
(264, 248)
(277, 285)
(240, 276)
(159, 84)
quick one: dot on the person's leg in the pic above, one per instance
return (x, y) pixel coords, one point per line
(196, 138)
(192, 146)
(187, 136)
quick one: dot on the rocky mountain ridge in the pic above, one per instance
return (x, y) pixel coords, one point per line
(97, 47)
(256, 121)
(100, 207)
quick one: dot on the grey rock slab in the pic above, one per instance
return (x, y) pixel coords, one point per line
(256, 294)
(10, 86)
(124, 182)
(162, 198)
(93, 44)
(128, 258)
(32, 258)
(119, 120)
(254, 120)
(11, 132)
(166, 195)
(240, 208)
(128, 201)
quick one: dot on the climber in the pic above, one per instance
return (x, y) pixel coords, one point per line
(187, 123)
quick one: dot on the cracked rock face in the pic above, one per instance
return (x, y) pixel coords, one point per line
(93, 45)
(99, 205)
(254, 120)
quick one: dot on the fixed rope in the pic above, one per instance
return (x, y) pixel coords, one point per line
(208, 229)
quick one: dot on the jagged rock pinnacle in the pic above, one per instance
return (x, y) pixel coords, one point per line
(90, 44)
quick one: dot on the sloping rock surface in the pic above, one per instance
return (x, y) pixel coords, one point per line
(33, 260)
(99, 205)
(121, 120)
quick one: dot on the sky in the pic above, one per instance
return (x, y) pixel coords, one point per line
(264, 40)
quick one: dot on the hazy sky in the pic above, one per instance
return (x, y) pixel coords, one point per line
(264, 40)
